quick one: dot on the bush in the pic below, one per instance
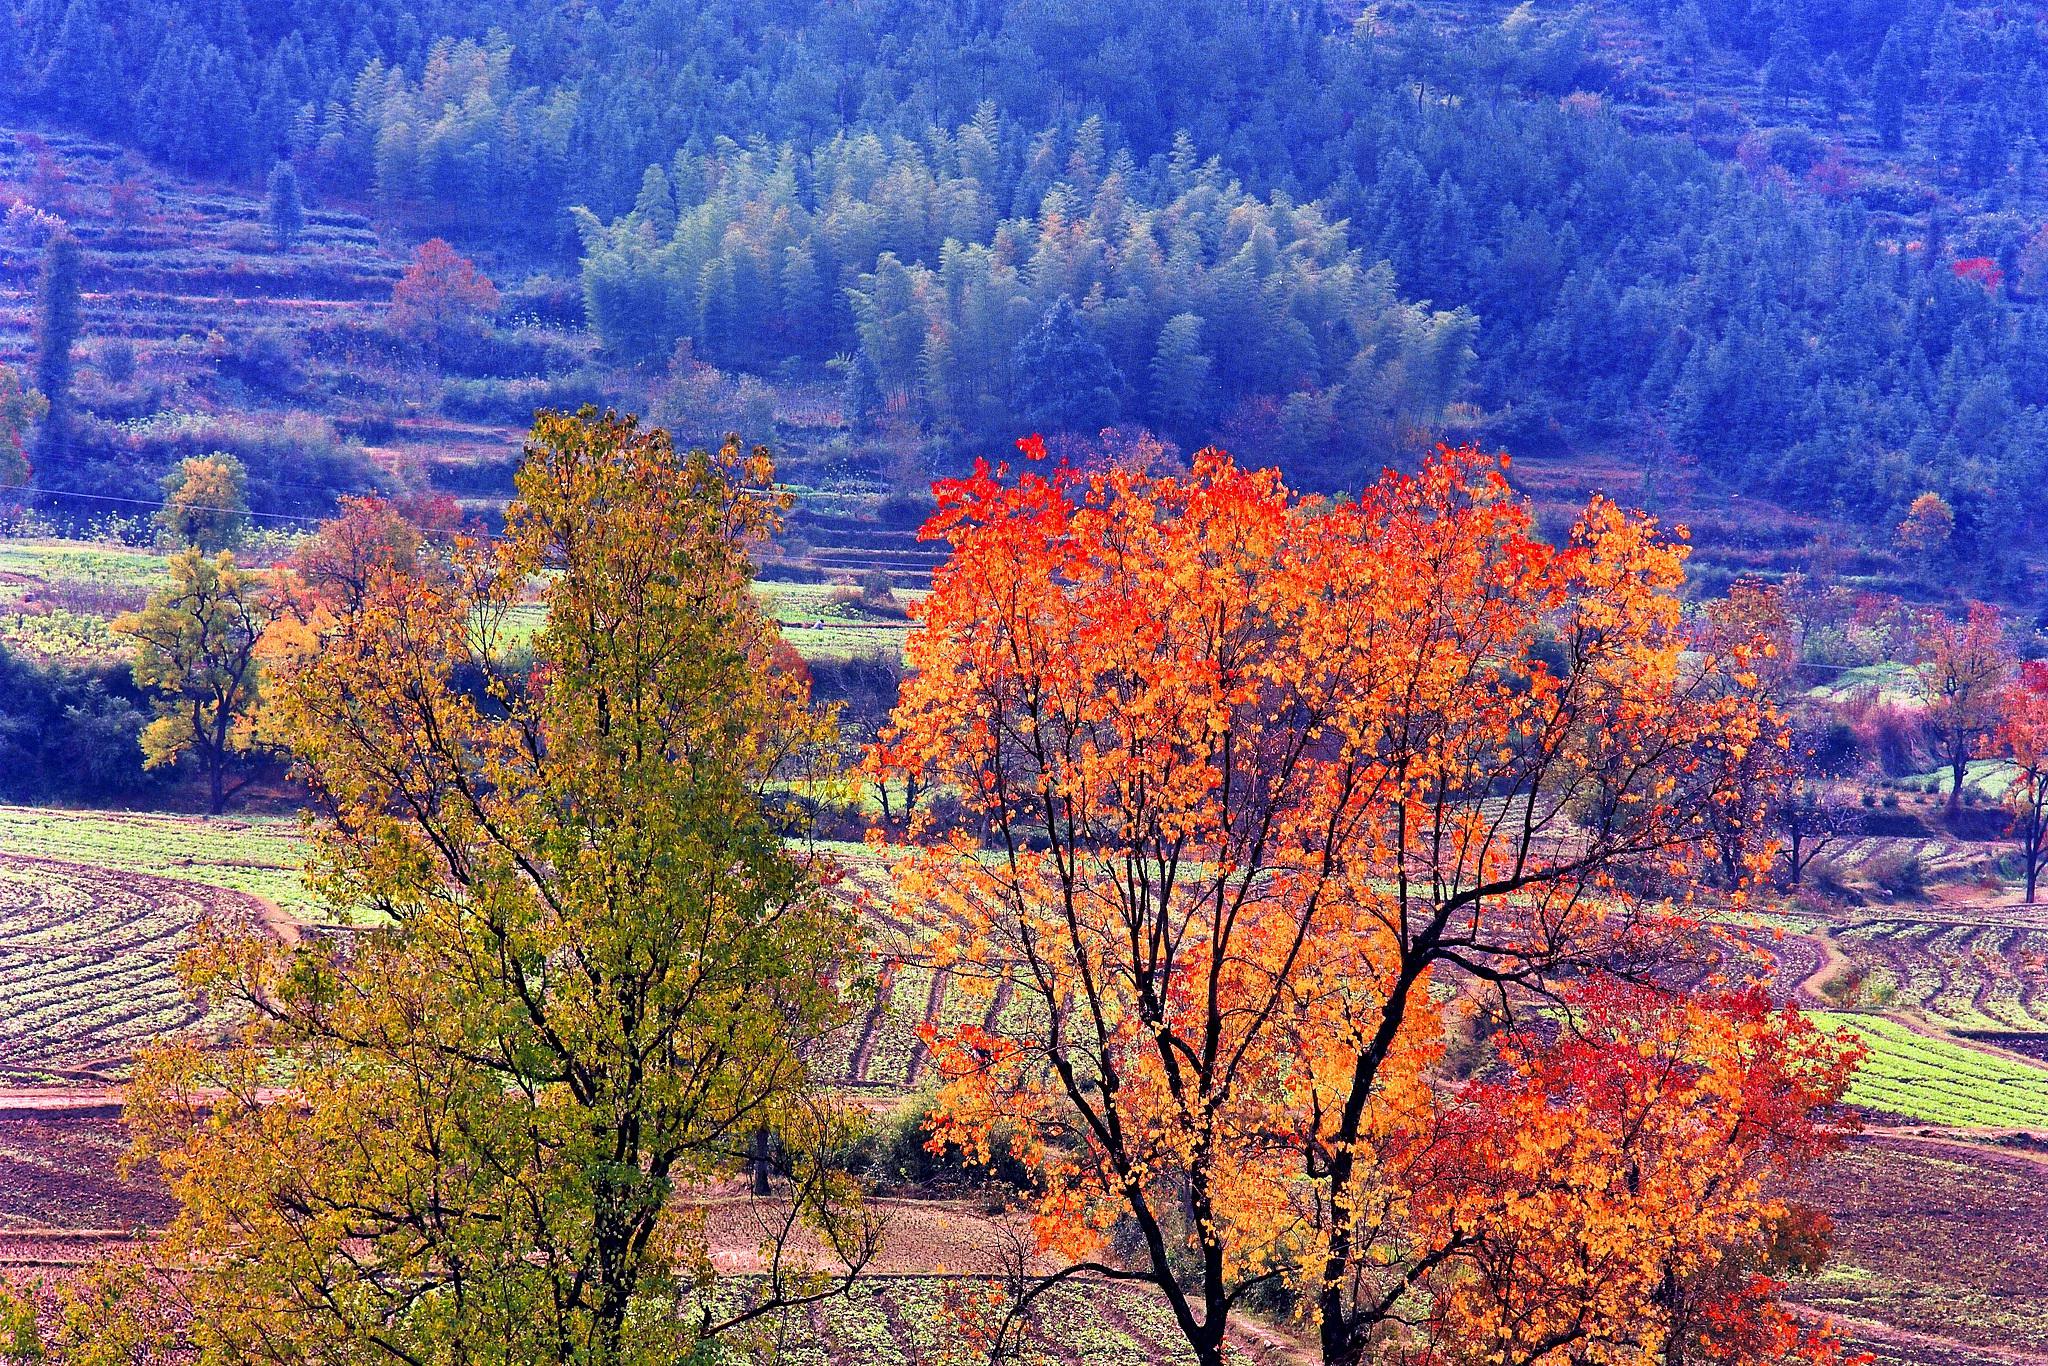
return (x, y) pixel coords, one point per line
(878, 594)
(296, 462)
(267, 358)
(115, 360)
(69, 734)
(506, 354)
(1900, 874)
(515, 400)
(547, 300)
(893, 1156)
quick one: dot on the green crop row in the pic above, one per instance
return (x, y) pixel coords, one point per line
(1938, 1082)
(260, 856)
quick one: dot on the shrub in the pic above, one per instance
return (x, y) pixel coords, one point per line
(1899, 873)
(115, 360)
(267, 358)
(516, 400)
(878, 594)
(893, 1155)
(296, 461)
(548, 300)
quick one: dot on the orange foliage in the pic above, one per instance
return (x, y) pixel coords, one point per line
(2023, 739)
(1256, 793)
(440, 294)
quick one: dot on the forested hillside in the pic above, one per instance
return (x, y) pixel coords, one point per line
(1792, 246)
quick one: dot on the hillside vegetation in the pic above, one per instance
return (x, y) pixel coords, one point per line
(1607, 227)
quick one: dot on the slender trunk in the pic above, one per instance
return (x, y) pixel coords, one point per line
(758, 1164)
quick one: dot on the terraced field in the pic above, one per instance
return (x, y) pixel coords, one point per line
(1987, 974)
(257, 856)
(1938, 1082)
(905, 1321)
(1940, 860)
(87, 959)
(1941, 1253)
(56, 597)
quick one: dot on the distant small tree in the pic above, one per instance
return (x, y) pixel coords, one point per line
(1180, 375)
(1890, 82)
(1789, 69)
(2023, 739)
(20, 409)
(206, 503)
(1929, 525)
(130, 204)
(283, 208)
(440, 296)
(1685, 35)
(1066, 381)
(860, 396)
(56, 333)
(1807, 821)
(1961, 681)
(1837, 90)
(196, 646)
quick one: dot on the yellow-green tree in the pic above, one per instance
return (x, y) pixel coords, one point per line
(206, 503)
(196, 648)
(490, 1129)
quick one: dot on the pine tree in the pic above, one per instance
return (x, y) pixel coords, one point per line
(1889, 80)
(283, 209)
(656, 207)
(82, 80)
(1180, 376)
(1065, 379)
(56, 331)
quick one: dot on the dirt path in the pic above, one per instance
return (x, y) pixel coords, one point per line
(1832, 961)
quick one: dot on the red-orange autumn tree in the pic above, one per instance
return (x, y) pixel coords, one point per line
(1961, 677)
(2023, 740)
(1258, 798)
(441, 295)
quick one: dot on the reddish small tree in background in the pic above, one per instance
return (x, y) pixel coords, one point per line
(1979, 270)
(1961, 679)
(441, 296)
(2023, 739)
(1928, 527)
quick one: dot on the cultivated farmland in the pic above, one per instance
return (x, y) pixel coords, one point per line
(87, 965)
(1923, 1078)
(257, 856)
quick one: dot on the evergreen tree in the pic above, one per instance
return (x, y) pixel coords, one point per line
(860, 397)
(1065, 379)
(82, 79)
(56, 332)
(1180, 377)
(283, 209)
(656, 206)
(1890, 80)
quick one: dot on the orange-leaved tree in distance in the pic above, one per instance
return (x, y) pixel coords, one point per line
(2023, 739)
(1260, 798)
(1961, 678)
